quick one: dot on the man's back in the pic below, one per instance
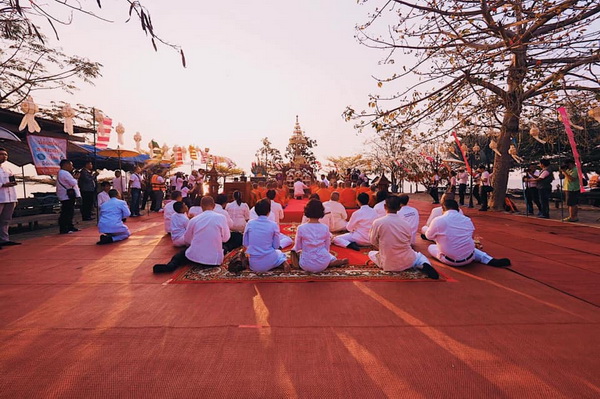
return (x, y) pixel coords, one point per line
(453, 234)
(206, 234)
(112, 213)
(411, 216)
(361, 221)
(392, 234)
(348, 198)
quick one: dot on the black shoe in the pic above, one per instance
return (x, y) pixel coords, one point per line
(87, 219)
(353, 246)
(430, 271)
(73, 229)
(105, 239)
(7, 243)
(483, 210)
(502, 262)
(161, 268)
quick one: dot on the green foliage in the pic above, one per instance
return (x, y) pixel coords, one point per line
(306, 151)
(267, 155)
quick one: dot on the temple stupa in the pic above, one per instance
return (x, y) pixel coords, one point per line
(297, 142)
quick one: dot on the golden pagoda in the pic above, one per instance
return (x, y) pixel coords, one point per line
(298, 142)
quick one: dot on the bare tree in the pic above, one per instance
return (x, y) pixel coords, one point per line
(267, 155)
(481, 65)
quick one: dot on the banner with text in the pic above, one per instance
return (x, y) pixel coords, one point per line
(47, 153)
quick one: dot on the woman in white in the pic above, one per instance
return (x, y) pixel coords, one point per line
(239, 212)
(313, 240)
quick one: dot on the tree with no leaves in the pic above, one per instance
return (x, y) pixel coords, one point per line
(482, 67)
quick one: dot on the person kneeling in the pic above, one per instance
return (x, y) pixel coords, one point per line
(179, 223)
(112, 215)
(205, 235)
(453, 236)
(261, 239)
(393, 235)
(313, 240)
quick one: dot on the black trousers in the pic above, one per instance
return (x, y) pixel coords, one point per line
(134, 206)
(462, 190)
(484, 197)
(545, 201)
(533, 197)
(157, 200)
(433, 191)
(65, 219)
(179, 259)
(87, 203)
(145, 197)
(476, 193)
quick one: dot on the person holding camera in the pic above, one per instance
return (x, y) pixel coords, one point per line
(8, 199)
(67, 192)
(87, 184)
(571, 189)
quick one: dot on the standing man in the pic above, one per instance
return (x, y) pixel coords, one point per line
(135, 190)
(299, 188)
(8, 199)
(486, 187)
(392, 235)
(433, 187)
(571, 189)
(87, 185)
(544, 186)
(119, 183)
(67, 191)
(463, 180)
(158, 190)
(324, 180)
(531, 192)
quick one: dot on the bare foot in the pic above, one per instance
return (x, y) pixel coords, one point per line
(339, 262)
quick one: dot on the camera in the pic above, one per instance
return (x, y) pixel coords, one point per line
(12, 179)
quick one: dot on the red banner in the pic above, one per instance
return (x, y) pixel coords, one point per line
(565, 120)
(47, 152)
(462, 152)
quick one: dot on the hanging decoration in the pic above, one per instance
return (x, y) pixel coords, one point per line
(29, 108)
(155, 149)
(463, 149)
(103, 130)
(512, 150)
(534, 131)
(494, 147)
(178, 155)
(137, 137)
(120, 129)
(68, 113)
(564, 117)
(193, 153)
(165, 150)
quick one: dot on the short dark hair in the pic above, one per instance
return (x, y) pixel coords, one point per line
(178, 206)
(392, 203)
(403, 199)
(104, 184)
(271, 194)
(175, 194)
(262, 207)
(545, 162)
(221, 199)
(363, 198)
(63, 162)
(314, 196)
(381, 195)
(314, 209)
(3, 149)
(450, 204)
(112, 193)
(197, 201)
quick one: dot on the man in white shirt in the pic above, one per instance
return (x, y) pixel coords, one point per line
(463, 179)
(65, 182)
(335, 214)
(485, 187)
(410, 215)
(205, 235)
(8, 199)
(135, 189)
(379, 207)
(324, 180)
(169, 211)
(103, 195)
(112, 216)
(453, 236)
(179, 223)
(119, 182)
(235, 240)
(435, 212)
(299, 188)
(359, 226)
(392, 235)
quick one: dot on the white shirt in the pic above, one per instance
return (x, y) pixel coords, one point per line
(179, 222)
(299, 188)
(7, 194)
(172, 180)
(206, 234)
(240, 214)
(393, 235)
(314, 240)
(453, 180)
(435, 212)
(135, 181)
(453, 234)
(65, 180)
(219, 209)
(361, 221)
(112, 214)
(485, 178)
(463, 177)
(411, 216)
(535, 174)
(194, 211)
(167, 214)
(118, 184)
(184, 192)
(380, 209)
(277, 209)
(325, 181)
(335, 216)
(178, 183)
(271, 216)
(102, 198)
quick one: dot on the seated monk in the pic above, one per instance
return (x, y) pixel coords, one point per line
(282, 196)
(363, 188)
(348, 196)
(314, 187)
(254, 195)
(262, 189)
(372, 195)
(324, 192)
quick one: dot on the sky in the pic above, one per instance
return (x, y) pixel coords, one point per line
(252, 67)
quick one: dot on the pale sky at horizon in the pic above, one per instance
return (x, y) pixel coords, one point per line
(252, 67)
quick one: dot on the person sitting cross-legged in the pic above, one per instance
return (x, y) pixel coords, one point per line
(205, 235)
(392, 235)
(179, 223)
(312, 242)
(112, 215)
(275, 215)
(168, 209)
(453, 236)
(335, 214)
(358, 226)
(262, 240)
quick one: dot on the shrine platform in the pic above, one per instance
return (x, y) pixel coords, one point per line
(80, 320)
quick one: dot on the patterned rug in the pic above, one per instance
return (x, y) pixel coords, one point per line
(360, 268)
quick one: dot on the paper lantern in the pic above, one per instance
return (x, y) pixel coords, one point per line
(68, 113)
(29, 108)
(120, 129)
(137, 137)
